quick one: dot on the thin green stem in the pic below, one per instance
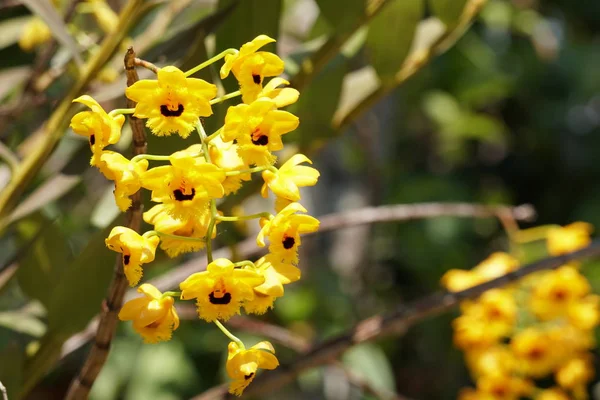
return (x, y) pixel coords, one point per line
(210, 61)
(226, 97)
(214, 135)
(244, 217)
(185, 238)
(230, 335)
(157, 158)
(246, 171)
(245, 263)
(171, 294)
(213, 203)
(121, 111)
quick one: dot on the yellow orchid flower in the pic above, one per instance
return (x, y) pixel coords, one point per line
(136, 250)
(154, 316)
(225, 156)
(251, 67)
(186, 186)
(281, 96)
(284, 232)
(276, 275)
(242, 364)
(221, 289)
(97, 125)
(258, 128)
(195, 227)
(125, 174)
(172, 103)
(286, 181)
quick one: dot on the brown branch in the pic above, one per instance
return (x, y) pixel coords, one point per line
(364, 385)
(399, 320)
(390, 213)
(82, 384)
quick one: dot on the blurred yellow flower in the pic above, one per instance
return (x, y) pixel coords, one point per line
(536, 352)
(172, 103)
(35, 32)
(225, 156)
(136, 250)
(552, 394)
(242, 364)
(566, 239)
(97, 125)
(497, 309)
(220, 290)
(251, 67)
(154, 316)
(575, 374)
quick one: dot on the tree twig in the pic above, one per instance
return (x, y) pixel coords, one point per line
(399, 320)
(82, 384)
(389, 213)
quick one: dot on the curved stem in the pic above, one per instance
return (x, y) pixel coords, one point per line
(121, 111)
(171, 294)
(226, 97)
(245, 263)
(244, 217)
(157, 158)
(210, 61)
(246, 171)
(185, 238)
(213, 203)
(229, 334)
(214, 135)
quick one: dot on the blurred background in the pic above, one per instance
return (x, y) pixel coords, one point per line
(402, 101)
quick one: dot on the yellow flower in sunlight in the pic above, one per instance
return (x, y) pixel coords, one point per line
(497, 309)
(97, 125)
(125, 174)
(153, 315)
(225, 156)
(496, 359)
(276, 275)
(193, 228)
(575, 374)
(251, 67)
(496, 265)
(136, 250)
(257, 128)
(536, 352)
(504, 387)
(566, 239)
(472, 333)
(285, 182)
(173, 103)
(242, 364)
(35, 32)
(552, 394)
(585, 313)
(281, 96)
(186, 186)
(284, 232)
(221, 289)
(556, 291)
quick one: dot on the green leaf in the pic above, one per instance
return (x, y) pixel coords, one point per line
(317, 104)
(448, 11)
(370, 362)
(11, 368)
(391, 34)
(22, 322)
(78, 296)
(344, 16)
(41, 268)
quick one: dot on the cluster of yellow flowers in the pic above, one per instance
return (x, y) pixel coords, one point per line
(539, 328)
(187, 189)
